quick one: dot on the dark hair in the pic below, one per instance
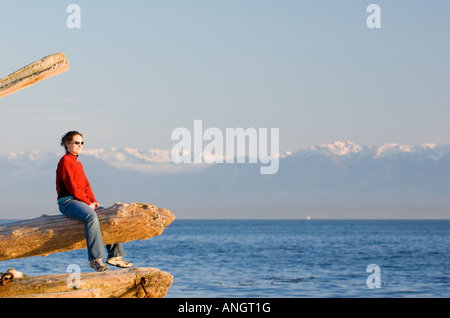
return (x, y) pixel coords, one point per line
(68, 138)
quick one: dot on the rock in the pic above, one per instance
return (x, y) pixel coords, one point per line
(16, 274)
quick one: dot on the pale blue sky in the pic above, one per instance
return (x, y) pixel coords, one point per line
(140, 69)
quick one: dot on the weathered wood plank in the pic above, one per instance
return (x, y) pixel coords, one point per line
(82, 293)
(121, 283)
(35, 72)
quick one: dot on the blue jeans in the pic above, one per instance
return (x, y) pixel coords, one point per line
(80, 211)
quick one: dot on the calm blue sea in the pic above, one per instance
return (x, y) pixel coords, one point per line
(300, 258)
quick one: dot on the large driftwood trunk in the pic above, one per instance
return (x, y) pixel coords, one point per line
(122, 283)
(35, 72)
(51, 234)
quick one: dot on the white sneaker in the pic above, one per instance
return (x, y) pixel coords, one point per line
(119, 262)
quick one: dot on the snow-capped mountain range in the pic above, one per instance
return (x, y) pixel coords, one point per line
(329, 180)
(342, 148)
(136, 159)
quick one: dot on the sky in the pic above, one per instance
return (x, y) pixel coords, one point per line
(313, 69)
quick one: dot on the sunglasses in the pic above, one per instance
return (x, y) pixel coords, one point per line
(78, 142)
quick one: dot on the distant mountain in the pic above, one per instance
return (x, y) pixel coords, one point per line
(330, 180)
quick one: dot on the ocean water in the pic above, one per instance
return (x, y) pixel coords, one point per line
(286, 258)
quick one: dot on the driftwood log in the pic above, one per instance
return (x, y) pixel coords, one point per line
(32, 73)
(57, 233)
(121, 283)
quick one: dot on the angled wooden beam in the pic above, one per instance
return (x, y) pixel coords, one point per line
(120, 223)
(33, 73)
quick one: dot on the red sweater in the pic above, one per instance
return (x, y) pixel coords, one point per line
(71, 180)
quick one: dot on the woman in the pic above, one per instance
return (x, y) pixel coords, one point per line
(76, 200)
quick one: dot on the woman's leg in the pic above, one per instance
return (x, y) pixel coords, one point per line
(115, 256)
(81, 211)
(115, 250)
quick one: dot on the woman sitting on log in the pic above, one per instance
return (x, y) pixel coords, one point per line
(76, 200)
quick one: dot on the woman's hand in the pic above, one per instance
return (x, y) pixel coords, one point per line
(94, 205)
